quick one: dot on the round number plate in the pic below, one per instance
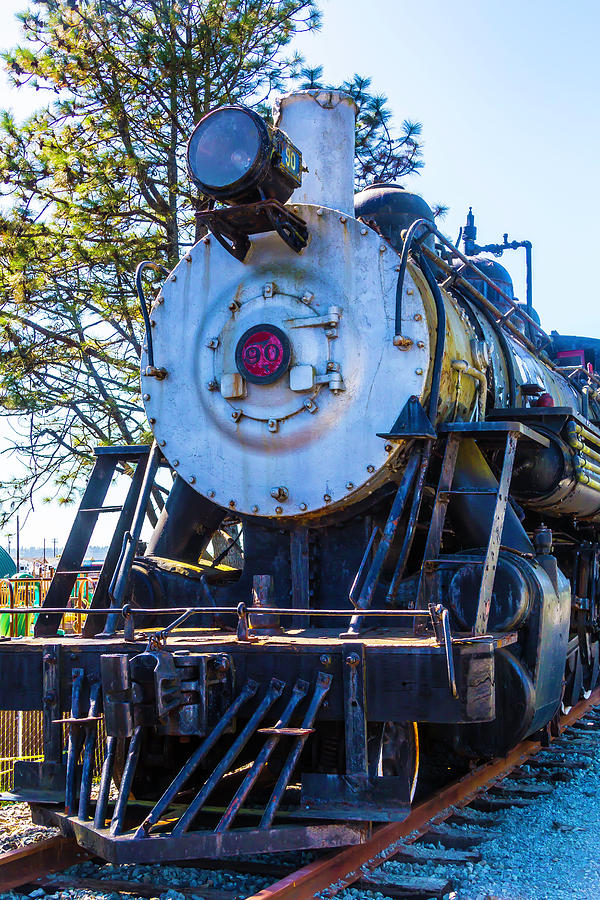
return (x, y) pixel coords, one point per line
(262, 354)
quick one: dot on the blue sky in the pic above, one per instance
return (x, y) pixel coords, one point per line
(507, 92)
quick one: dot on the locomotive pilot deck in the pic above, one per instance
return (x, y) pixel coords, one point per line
(404, 670)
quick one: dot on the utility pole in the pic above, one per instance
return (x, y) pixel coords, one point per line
(53, 548)
(18, 547)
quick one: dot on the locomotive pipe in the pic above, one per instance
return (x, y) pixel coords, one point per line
(462, 282)
(440, 338)
(462, 366)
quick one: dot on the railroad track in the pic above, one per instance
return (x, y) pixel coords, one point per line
(496, 785)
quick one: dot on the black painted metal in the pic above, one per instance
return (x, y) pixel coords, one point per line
(91, 734)
(105, 781)
(321, 688)
(76, 545)
(249, 689)
(133, 753)
(52, 731)
(298, 693)
(409, 533)
(273, 691)
(75, 741)
(120, 580)
(367, 590)
(95, 623)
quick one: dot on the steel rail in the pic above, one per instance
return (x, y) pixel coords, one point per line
(342, 869)
(26, 864)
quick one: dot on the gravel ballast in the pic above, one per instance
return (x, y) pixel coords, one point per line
(549, 850)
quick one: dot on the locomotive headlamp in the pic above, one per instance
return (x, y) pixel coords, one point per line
(234, 156)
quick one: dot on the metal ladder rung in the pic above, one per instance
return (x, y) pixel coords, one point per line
(286, 732)
(469, 492)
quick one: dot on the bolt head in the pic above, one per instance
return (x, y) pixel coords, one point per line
(418, 317)
(175, 462)
(192, 479)
(211, 494)
(145, 396)
(325, 659)
(418, 371)
(162, 443)
(388, 448)
(327, 498)
(370, 468)
(303, 506)
(278, 510)
(349, 485)
(255, 508)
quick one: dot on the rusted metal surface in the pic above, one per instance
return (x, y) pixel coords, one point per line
(493, 547)
(343, 868)
(24, 865)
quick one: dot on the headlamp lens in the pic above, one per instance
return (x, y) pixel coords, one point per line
(224, 147)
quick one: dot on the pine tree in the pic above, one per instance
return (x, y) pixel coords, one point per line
(96, 181)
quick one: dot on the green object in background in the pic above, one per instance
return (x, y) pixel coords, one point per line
(8, 566)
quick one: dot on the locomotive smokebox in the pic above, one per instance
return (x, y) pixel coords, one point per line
(322, 123)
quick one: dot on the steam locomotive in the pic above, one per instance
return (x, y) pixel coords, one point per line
(378, 560)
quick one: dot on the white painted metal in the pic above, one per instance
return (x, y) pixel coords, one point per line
(321, 124)
(336, 303)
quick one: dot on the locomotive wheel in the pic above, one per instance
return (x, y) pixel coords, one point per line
(400, 752)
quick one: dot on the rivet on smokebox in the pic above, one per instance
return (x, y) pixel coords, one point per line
(162, 443)
(370, 468)
(418, 317)
(382, 248)
(254, 509)
(145, 396)
(327, 498)
(278, 510)
(388, 448)
(303, 507)
(349, 485)
(363, 230)
(192, 479)
(420, 344)
(343, 219)
(418, 371)
(211, 494)
(175, 462)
